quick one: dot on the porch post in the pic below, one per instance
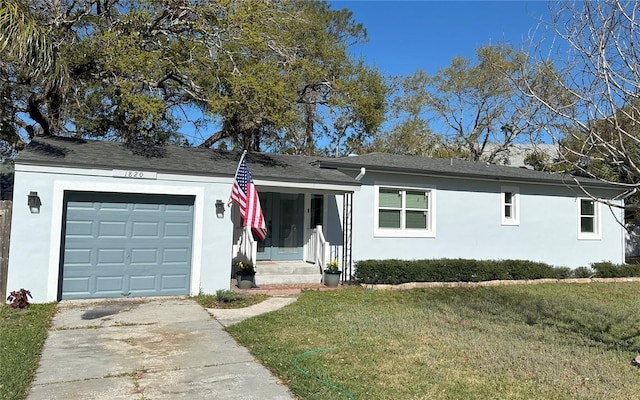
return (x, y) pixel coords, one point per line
(347, 225)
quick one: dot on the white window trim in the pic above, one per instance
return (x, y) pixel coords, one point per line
(515, 212)
(391, 232)
(597, 235)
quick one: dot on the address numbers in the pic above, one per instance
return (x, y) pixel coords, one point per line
(134, 174)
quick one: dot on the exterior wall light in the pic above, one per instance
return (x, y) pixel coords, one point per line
(219, 209)
(34, 203)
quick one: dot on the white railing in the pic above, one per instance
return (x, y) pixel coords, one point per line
(318, 248)
(246, 248)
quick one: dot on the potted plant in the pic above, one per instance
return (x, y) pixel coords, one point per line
(245, 274)
(332, 273)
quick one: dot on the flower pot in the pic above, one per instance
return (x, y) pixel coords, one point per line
(245, 281)
(331, 278)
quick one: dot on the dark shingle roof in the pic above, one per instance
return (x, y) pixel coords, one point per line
(71, 152)
(397, 163)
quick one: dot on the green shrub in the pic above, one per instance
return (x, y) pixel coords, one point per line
(606, 269)
(396, 271)
(583, 272)
(629, 270)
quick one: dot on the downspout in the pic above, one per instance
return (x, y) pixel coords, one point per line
(363, 171)
(625, 233)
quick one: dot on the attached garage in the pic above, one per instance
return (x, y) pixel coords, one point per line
(118, 220)
(117, 244)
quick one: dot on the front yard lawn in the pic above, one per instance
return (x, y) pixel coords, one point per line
(550, 341)
(22, 334)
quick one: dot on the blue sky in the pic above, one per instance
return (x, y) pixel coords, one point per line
(407, 35)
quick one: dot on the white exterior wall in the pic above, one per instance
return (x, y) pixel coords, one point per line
(34, 255)
(468, 224)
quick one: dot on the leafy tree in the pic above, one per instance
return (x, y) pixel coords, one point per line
(474, 109)
(337, 98)
(248, 72)
(597, 113)
(25, 42)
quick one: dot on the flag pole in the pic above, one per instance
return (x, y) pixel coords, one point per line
(230, 202)
(239, 162)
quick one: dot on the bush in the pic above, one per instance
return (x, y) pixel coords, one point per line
(465, 270)
(583, 272)
(606, 269)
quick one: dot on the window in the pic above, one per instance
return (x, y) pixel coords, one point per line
(404, 212)
(589, 219)
(510, 206)
(317, 210)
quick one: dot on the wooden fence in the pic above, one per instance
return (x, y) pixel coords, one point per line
(5, 234)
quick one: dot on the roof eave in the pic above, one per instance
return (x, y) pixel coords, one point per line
(569, 181)
(349, 186)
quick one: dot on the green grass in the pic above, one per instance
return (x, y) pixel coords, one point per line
(229, 299)
(22, 334)
(551, 341)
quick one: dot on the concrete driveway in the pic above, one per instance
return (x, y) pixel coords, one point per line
(161, 348)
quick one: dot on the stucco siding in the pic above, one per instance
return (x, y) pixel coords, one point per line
(467, 224)
(34, 261)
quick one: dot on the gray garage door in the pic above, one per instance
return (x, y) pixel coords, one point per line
(126, 245)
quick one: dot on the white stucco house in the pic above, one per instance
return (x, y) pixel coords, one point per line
(112, 220)
(415, 208)
(95, 219)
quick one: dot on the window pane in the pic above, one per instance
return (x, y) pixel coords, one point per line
(507, 211)
(390, 198)
(587, 225)
(416, 220)
(587, 207)
(416, 200)
(389, 219)
(317, 209)
(508, 198)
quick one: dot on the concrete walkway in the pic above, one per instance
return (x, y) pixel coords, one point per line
(232, 316)
(162, 348)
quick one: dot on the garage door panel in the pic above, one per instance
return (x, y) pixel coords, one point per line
(142, 283)
(78, 286)
(177, 230)
(178, 208)
(175, 256)
(80, 228)
(80, 205)
(145, 229)
(122, 244)
(147, 207)
(144, 256)
(77, 256)
(109, 283)
(173, 282)
(108, 229)
(111, 256)
(106, 206)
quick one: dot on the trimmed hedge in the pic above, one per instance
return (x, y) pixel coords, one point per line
(464, 270)
(606, 269)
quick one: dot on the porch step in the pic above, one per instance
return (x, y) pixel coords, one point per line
(286, 272)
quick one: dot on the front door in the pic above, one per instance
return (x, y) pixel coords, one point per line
(284, 216)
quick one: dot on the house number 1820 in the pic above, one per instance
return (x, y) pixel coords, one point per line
(119, 173)
(134, 174)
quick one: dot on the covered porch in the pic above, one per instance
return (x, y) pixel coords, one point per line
(306, 228)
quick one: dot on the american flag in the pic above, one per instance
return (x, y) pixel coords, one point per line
(244, 194)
